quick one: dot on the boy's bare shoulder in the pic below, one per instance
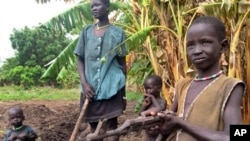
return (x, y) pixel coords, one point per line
(161, 99)
(162, 102)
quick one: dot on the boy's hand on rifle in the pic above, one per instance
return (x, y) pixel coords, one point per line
(170, 121)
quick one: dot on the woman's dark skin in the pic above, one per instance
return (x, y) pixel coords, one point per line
(100, 11)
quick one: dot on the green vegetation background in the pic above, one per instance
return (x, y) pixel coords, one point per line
(16, 93)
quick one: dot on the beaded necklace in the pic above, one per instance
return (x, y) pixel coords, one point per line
(17, 128)
(101, 27)
(208, 77)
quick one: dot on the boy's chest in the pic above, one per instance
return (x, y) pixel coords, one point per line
(152, 106)
(195, 89)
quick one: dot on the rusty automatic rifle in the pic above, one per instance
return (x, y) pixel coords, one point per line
(130, 125)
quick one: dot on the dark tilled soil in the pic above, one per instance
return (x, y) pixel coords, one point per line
(55, 120)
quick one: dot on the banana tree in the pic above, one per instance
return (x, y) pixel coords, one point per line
(140, 28)
(156, 33)
(235, 15)
(72, 21)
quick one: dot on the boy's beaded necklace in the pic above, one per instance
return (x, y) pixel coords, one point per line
(208, 77)
(18, 127)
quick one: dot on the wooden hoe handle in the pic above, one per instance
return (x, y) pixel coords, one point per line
(73, 135)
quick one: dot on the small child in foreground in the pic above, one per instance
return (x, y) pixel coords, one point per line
(153, 102)
(18, 132)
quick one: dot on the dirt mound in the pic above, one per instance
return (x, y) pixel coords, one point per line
(55, 120)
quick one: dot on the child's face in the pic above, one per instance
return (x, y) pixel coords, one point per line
(203, 46)
(16, 117)
(151, 88)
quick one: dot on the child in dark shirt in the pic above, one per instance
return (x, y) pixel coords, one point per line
(18, 132)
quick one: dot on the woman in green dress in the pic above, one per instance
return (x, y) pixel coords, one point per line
(102, 68)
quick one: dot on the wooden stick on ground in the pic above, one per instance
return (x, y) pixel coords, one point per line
(75, 131)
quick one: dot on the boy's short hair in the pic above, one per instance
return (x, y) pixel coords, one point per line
(214, 22)
(156, 79)
(17, 108)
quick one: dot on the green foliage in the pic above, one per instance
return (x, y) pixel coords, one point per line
(68, 78)
(34, 49)
(145, 3)
(131, 95)
(7, 66)
(141, 68)
(72, 19)
(37, 46)
(10, 93)
(65, 59)
(24, 76)
(139, 104)
(138, 38)
(83, 16)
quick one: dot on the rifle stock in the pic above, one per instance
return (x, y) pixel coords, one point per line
(130, 125)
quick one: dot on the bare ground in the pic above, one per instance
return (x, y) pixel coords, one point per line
(55, 120)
